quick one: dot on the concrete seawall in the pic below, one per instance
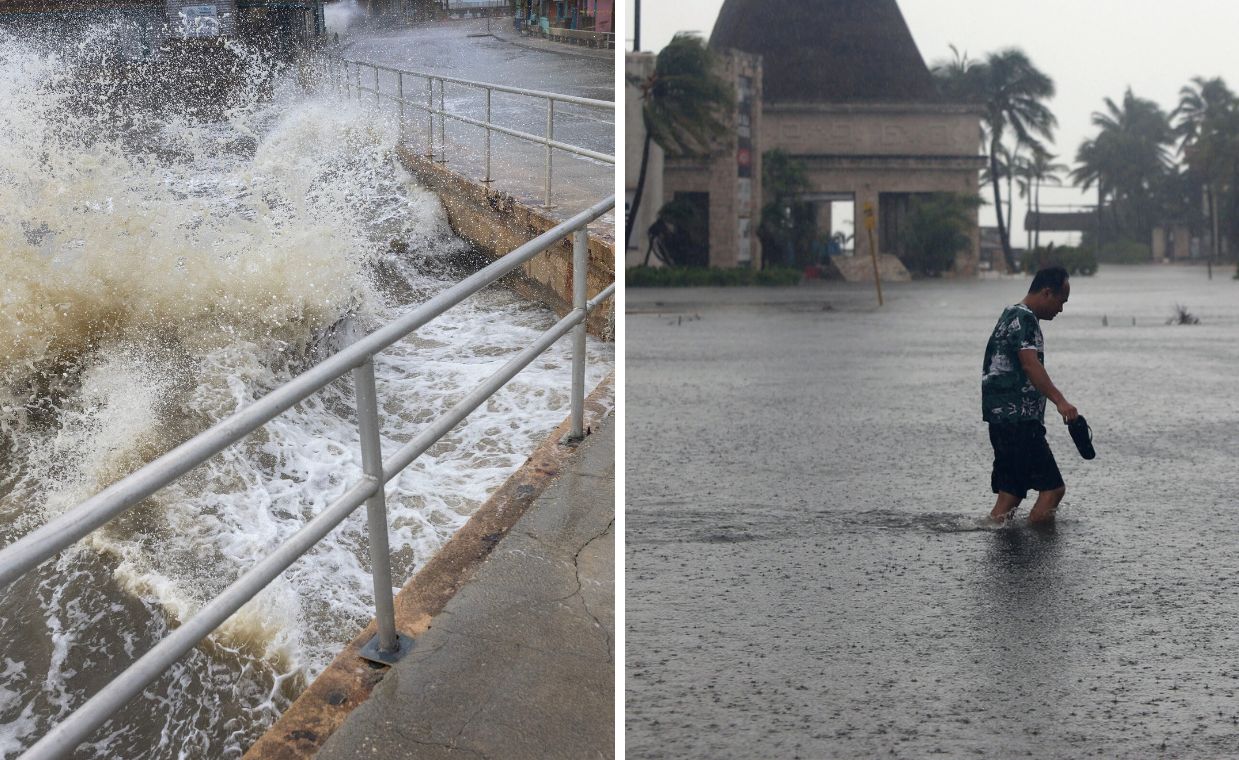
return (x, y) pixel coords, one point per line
(496, 223)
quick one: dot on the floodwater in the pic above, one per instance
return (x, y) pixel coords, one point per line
(465, 50)
(156, 275)
(808, 571)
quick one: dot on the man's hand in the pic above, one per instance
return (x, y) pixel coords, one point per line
(1041, 381)
(1068, 411)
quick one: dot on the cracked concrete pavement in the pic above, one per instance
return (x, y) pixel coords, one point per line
(521, 662)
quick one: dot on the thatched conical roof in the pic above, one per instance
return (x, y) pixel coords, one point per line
(828, 51)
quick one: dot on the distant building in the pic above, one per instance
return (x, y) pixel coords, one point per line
(841, 87)
(1172, 242)
(582, 15)
(157, 22)
(991, 257)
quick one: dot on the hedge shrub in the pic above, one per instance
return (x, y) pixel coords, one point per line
(676, 277)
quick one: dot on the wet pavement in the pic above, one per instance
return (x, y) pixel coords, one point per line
(521, 662)
(466, 50)
(808, 569)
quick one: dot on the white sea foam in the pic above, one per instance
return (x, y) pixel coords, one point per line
(13, 732)
(150, 292)
(339, 16)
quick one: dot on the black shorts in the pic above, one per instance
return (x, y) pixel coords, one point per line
(1022, 459)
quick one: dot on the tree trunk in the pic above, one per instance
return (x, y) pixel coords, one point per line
(1002, 229)
(1037, 226)
(1010, 199)
(636, 196)
(1101, 203)
(1213, 248)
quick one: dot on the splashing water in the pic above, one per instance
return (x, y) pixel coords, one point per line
(157, 276)
(341, 15)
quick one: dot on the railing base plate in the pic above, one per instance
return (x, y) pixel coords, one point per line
(573, 440)
(370, 652)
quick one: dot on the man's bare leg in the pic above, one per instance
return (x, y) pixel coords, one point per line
(1004, 506)
(1047, 504)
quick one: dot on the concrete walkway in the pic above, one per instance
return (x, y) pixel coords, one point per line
(521, 662)
(464, 49)
(508, 33)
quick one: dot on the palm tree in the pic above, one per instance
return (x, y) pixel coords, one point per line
(685, 105)
(1041, 170)
(1140, 135)
(1009, 165)
(679, 236)
(1207, 126)
(1017, 171)
(1204, 101)
(960, 79)
(1094, 160)
(1013, 92)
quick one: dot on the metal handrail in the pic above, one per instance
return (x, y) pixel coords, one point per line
(27, 552)
(353, 84)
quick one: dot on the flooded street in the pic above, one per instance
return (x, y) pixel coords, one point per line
(465, 50)
(159, 272)
(808, 571)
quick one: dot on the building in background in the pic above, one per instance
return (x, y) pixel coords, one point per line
(154, 23)
(840, 87)
(582, 15)
(726, 186)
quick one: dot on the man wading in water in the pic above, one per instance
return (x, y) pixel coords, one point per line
(1014, 387)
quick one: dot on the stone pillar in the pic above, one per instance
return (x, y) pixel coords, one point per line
(1159, 243)
(967, 262)
(724, 214)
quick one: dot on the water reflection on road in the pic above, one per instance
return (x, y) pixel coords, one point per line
(808, 572)
(464, 50)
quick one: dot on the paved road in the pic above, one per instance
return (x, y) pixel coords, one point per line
(464, 50)
(807, 573)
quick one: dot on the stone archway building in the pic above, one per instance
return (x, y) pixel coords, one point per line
(841, 87)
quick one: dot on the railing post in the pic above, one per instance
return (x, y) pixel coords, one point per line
(550, 135)
(400, 96)
(387, 646)
(489, 91)
(348, 86)
(442, 121)
(430, 117)
(359, 82)
(580, 267)
(377, 100)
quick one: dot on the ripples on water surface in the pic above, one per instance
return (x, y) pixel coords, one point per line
(808, 569)
(159, 274)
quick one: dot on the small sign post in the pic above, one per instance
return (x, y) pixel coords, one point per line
(871, 223)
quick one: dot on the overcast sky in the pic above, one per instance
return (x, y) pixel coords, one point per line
(1093, 49)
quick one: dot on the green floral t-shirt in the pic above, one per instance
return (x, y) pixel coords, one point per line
(1007, 395)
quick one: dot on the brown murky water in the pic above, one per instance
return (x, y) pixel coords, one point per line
(151, 286)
